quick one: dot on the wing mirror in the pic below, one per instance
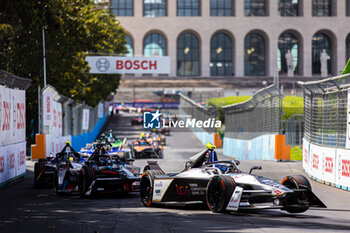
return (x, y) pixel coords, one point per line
(254, 168)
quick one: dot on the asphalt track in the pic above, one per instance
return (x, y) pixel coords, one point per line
(25, 209)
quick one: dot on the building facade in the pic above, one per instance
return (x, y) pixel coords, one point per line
(239, 38)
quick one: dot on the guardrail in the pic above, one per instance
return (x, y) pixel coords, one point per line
(12, 127)
(326, 154)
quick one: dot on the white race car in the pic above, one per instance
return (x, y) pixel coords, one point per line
(223, 187)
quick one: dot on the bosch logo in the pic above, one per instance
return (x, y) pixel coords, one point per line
(329, 165)
(102, 64)
(22, 157)
(20, 116)
(2, 164)
(315, 161)
(7, 116)
(54, 118)
(12, 161)
(345, 168)
(306, 154)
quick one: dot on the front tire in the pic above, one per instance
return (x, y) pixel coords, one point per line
(297, 182)
(39, 169)
(146, 188)
(219, 192)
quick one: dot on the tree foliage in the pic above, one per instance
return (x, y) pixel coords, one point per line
(73, 29)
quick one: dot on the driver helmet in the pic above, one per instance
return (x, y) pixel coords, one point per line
(143, 135)
(210, 146)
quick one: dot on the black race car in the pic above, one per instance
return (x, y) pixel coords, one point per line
(45, 169)
(102, 174)
(223, 187)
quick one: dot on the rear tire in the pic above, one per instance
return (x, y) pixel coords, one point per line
(219, 192)
(86, 177)
(39, 169)
(297, 182)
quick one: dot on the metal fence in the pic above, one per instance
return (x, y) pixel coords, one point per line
(188, 108)
(325, 111)
(260, 115)
(294, 128)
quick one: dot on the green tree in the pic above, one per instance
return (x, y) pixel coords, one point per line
(73, 29)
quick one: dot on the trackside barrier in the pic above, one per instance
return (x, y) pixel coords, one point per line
(65, 120)
(189, 109)
(326, 154)
(12, 127)
(251, 126)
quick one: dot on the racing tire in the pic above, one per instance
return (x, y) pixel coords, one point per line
(297, 182)
(146, 186)
(218, 193)
(55, 184)
(86, 177)
(39, 169)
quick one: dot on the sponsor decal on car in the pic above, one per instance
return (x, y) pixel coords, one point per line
(183, 190)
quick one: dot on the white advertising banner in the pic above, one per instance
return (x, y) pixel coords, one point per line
(343, 168)
(128, 65)
(100, 110)
(329, 164)
(47, 108)
(12, 161)
(306, 154)
(52, 115)
(12, 116)
(316, 158)
(85, 121)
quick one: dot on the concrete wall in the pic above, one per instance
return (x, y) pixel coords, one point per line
(238, 27)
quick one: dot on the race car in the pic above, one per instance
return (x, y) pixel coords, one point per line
(100, 174)
(112, 139)
(145, 149)
(223, 187)
(45, 169)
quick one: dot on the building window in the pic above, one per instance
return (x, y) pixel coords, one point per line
(188, 8)
(187, 55)
(129, 46)
(154, 8)
(154, 45)
(122, 7)
(347, 7)
(321, 43)
(321, 7)
(288, 45)
(288, 8)
(254, 55)
(221, 8)
(348, 47)
(255, 8)
(221, 55)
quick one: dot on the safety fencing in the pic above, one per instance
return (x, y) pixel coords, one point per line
(62, 119)
(12, 127)
(251, 126)
(326, 143)
(189, 109)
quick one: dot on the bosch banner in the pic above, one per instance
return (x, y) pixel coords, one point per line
(52, 115)
(12, 116)
(128, 65)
